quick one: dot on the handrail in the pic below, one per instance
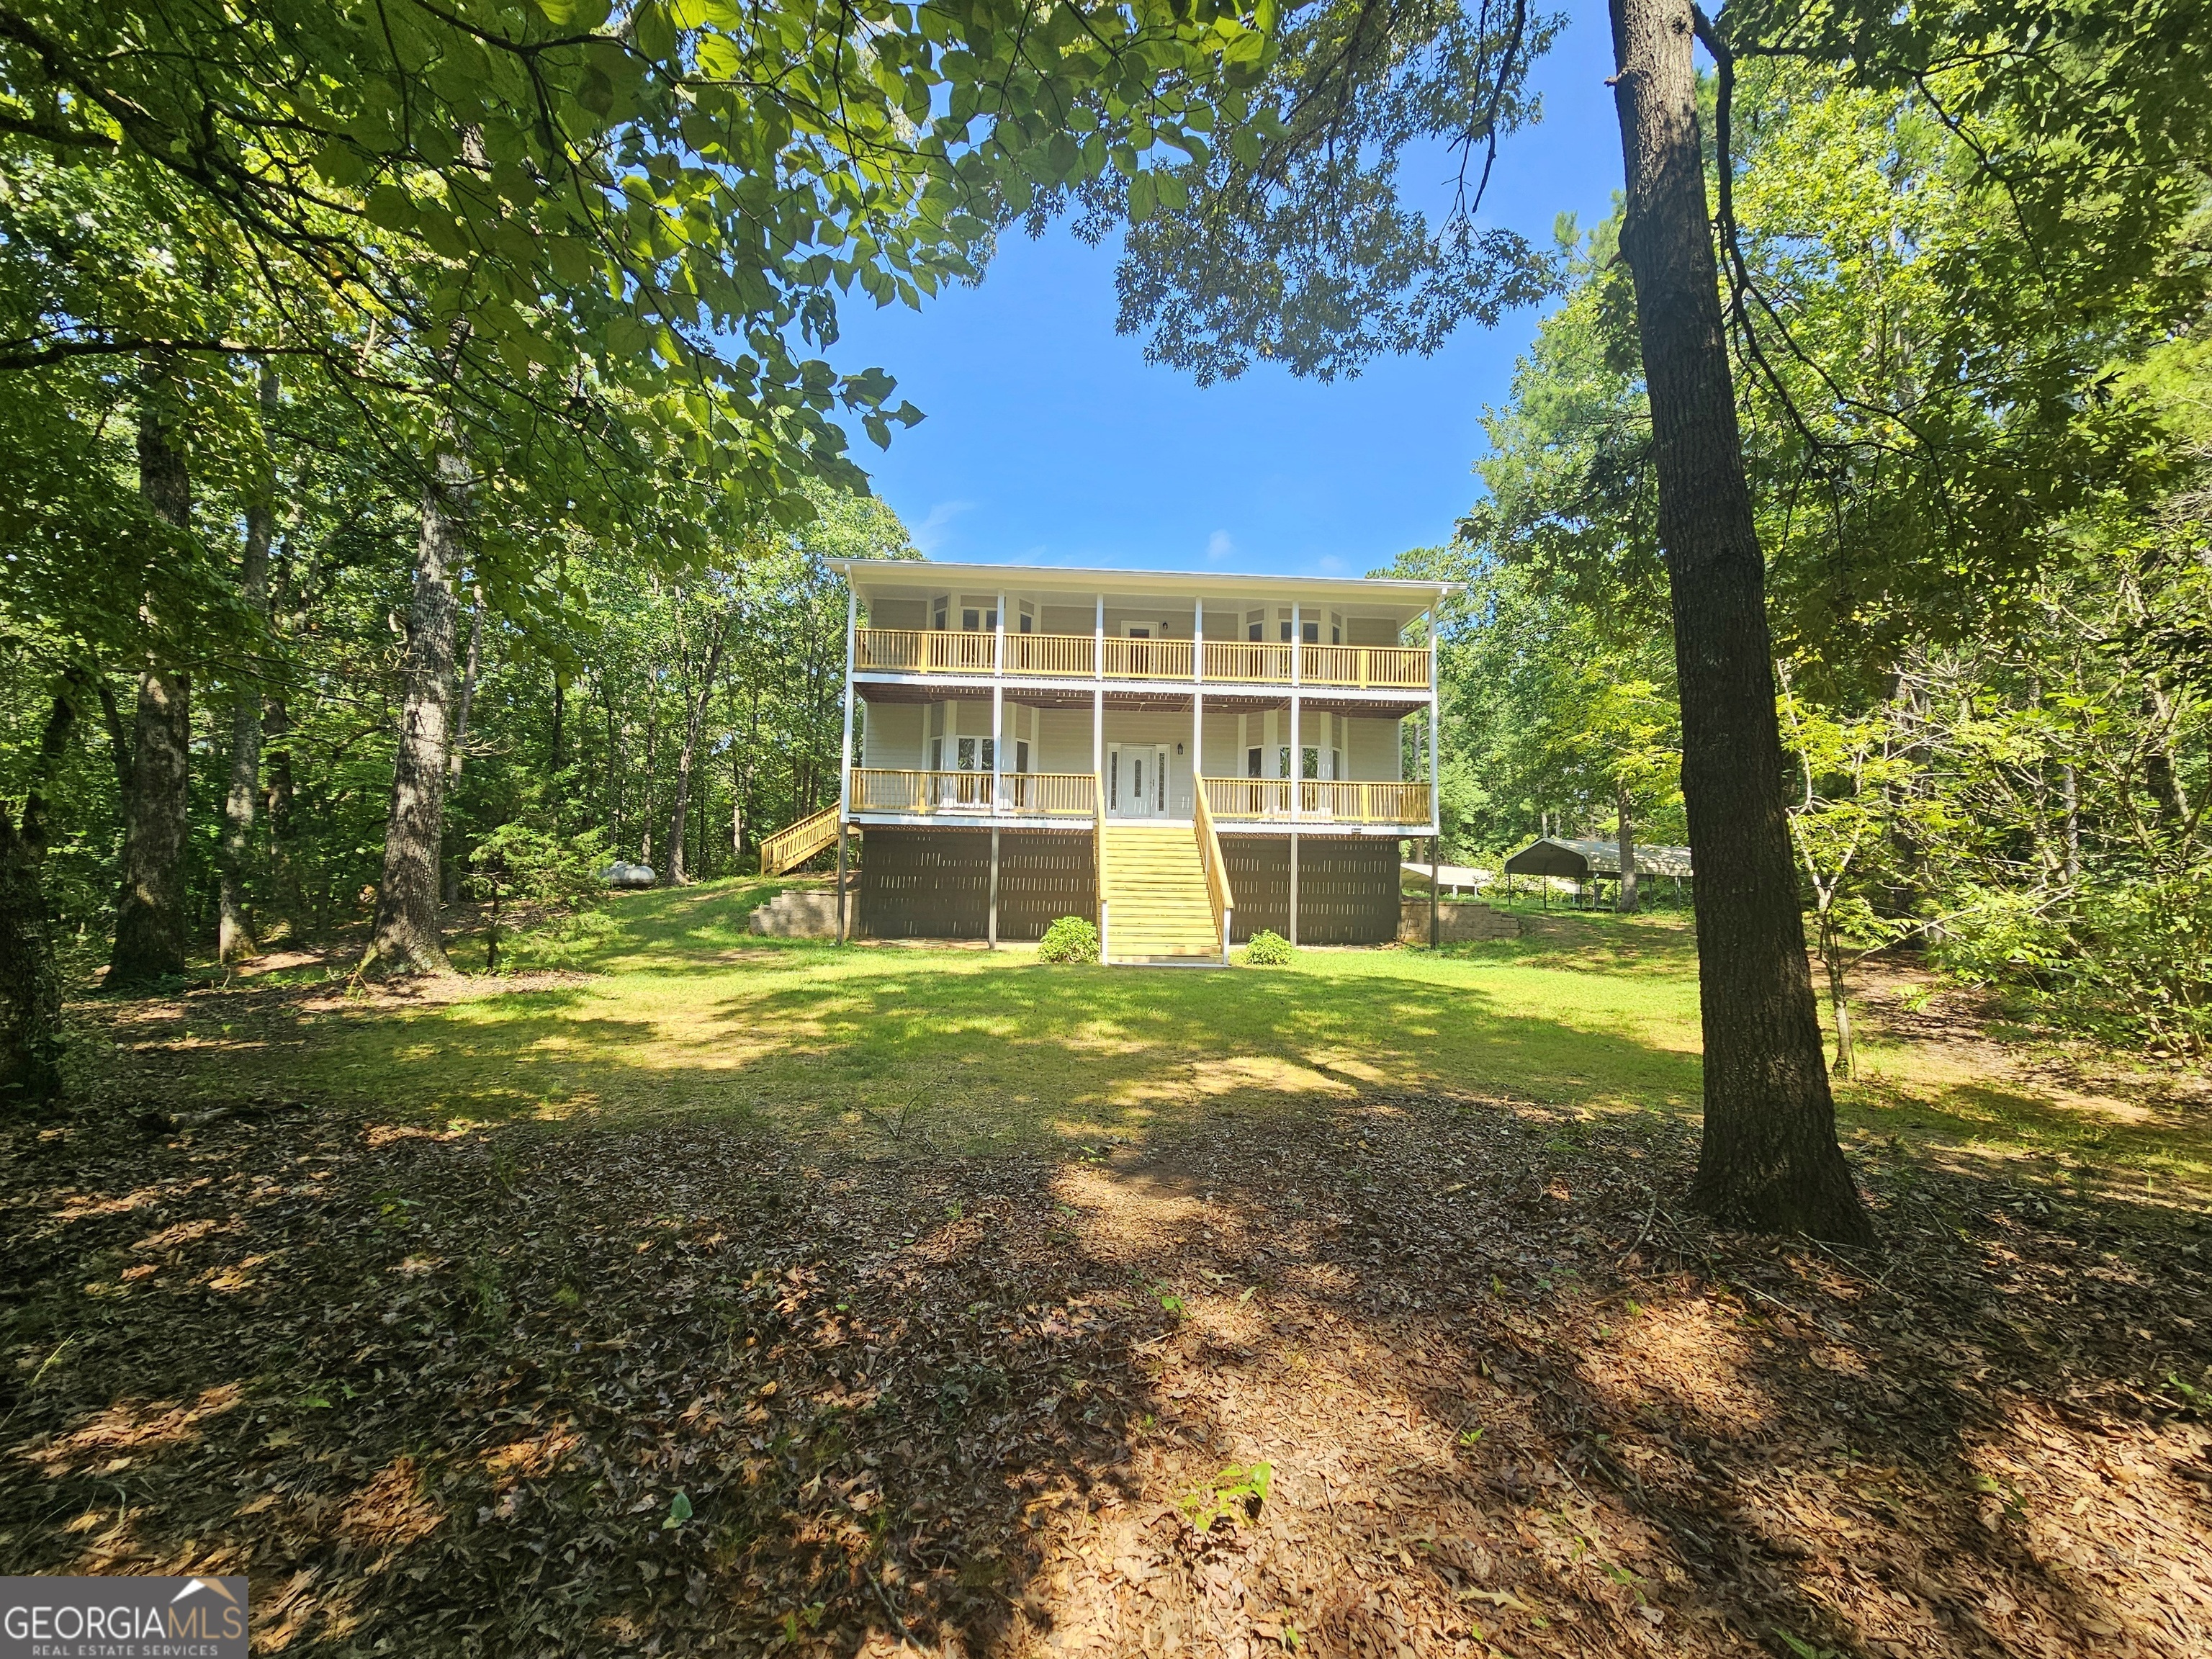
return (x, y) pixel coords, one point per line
(795, 843)
(1099, 860)
(1020, 794)
(1218, 891)
(1076, 656)
(1322, 800)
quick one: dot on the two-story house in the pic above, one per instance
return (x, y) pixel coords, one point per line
(1185, 757)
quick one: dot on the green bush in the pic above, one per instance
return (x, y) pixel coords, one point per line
(2123, 961)
(1267, 949)
(1071, 938)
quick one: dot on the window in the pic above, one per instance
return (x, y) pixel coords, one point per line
(1113, 780)
(1310, 632)
(1283, 760)
(940, 617)
(1310, 754)
(1286, 627)
(1253, 758)
(1255, 626)
(968, 753)
(937, 754)
(1336, 763)
(1021, 753)
(1028, 621)
(1335, 629)
(976, 620)
(1137, 633)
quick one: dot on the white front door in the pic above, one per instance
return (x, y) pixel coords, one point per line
(1137, 779)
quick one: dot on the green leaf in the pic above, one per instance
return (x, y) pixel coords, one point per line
(679, 1511)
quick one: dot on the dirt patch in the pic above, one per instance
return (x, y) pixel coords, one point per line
(691, 1390)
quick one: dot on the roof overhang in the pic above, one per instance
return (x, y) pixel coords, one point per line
(1147, 583)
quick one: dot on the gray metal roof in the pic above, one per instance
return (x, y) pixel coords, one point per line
(1581, 860)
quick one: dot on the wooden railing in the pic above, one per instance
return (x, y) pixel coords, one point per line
(1099, 872)
(1399, 667)
(1068, 656)
(795, 843)
(1025, 794)
(1248, 662)
(1363, 803)
(1075, 656)
(1321, 801)
(1218, 891)
(922, 651)
(1147, 660)
(1248, 797)
(1047, 794)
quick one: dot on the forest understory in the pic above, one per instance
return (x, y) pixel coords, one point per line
(691, 1387)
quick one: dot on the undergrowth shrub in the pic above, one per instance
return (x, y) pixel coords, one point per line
(1071, 938)
(1267, 949)
(2127, 962)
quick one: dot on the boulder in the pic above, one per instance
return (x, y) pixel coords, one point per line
(619, 874)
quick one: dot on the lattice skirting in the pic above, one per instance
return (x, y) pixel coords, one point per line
(936, 883)
(1347, 887)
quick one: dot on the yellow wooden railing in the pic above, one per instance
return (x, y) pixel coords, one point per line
(1218, 891)
(1047, 794)
(1248, 662)
(1248, 797)
(1075, 656)
(922, 651)
(1398, 667)
(794, 844)
(1363, 803)
(1027, 794)
(1098, 868)
(1321, 799)
(1147, 660)
(1070, 656)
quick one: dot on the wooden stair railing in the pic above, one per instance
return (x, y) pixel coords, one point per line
(794, 844)
(1218, 891)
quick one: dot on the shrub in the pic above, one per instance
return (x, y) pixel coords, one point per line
(1267, 949)
(1071, 938)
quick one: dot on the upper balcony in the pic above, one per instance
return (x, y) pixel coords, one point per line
(1361, 640)
(1078, 657)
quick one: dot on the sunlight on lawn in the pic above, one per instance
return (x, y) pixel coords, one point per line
(688, 1012)
(665, 1004)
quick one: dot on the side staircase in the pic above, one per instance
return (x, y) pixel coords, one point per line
(792, 846)
(1158, 909)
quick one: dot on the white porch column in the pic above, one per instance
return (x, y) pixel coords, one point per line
(1298, 643)
(845, 755)
(1197, 703)
(1098, 641)
(1297, 760)
(998, 740)
(1436, 731)
(1098, 744)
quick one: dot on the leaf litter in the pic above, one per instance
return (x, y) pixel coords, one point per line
(1410, 1375)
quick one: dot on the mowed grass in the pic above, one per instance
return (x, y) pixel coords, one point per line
(671, 1006)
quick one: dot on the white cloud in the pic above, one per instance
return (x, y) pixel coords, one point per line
(931, 533)
(1218, 546)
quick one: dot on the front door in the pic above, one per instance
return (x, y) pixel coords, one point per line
(1137, 779)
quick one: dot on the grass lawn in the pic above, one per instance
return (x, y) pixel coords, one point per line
(666, 1004)
(687, 1293)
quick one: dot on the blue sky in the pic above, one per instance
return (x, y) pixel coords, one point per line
(1050, 441)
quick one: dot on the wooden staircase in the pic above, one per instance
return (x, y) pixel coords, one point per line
(1158, 909)
(792, 846)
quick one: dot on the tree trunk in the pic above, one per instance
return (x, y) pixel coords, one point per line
(407, 940)
(1624, 901)
(234, 936)
(150, 932)
(1839, 998)
(30, 982)
(694, 719)
(453, 866)
(1770, 1160)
